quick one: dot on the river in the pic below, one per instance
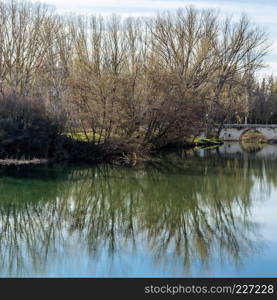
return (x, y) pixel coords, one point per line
(194, 213)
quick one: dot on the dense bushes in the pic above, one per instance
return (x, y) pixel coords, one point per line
(27, 128)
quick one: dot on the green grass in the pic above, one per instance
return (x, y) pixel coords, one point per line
(207, 141)
(80, 136)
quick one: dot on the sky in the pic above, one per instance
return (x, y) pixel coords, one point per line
(261, 12)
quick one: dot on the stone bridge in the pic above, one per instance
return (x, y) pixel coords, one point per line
(234, 132)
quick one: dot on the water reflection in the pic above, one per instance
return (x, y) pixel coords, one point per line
(183, 209)
(252, 147)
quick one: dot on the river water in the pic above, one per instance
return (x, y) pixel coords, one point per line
(196, 213)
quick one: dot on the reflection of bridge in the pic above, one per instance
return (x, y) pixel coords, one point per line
(233, 132)
(229, 149)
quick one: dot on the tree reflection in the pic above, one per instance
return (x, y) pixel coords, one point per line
(194, 209)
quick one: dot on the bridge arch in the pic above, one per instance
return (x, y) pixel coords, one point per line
(251, 129)
(234, 132)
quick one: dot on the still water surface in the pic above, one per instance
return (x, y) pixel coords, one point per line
(207, 213)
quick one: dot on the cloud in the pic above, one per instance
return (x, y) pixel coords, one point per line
(273, 48)
(272, 67)
(263, 13)
(262, 10)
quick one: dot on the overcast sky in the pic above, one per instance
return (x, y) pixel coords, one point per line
(262, 12)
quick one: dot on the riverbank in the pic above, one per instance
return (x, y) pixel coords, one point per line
(65, 148)
(115, 152)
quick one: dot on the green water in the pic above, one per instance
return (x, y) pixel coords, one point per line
(194, 213)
